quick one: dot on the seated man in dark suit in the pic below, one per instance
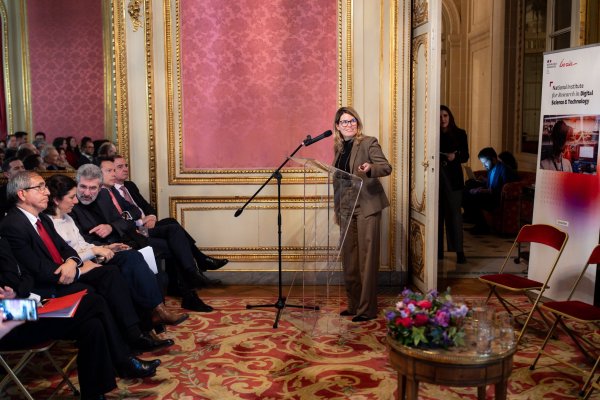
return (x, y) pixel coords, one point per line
(101, 347)
(99, 221)
(54, 267)
(485, 195)
(131, 193)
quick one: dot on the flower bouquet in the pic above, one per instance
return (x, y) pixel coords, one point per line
(427, 320)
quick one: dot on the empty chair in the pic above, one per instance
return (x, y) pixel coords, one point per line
(539, 233)
(585, 315)
(26, 356)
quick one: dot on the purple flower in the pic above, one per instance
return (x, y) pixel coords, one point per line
(442, 318)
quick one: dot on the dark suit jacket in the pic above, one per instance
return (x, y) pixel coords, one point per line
(372, 198)
(4, 206)
(141, 202)
(31, 252)
(11, 274)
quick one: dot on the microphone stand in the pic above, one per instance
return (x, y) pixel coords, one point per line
(280, 304)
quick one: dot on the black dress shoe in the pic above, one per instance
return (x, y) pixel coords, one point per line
(96, 397)
(347, 313)
(460, 258)
(211, 264)
(136, 368)
(194, 303)
(199, 280)
(145, 342)
(362, 318)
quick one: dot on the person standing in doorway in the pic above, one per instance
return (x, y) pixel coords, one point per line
(454, 150)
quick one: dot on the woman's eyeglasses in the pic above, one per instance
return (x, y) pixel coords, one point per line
(348, 122)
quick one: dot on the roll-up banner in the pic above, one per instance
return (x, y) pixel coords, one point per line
(567, 188)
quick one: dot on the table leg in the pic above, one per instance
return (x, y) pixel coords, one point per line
(501, 389)
(412, 389)
(401, 386)
(481, 392)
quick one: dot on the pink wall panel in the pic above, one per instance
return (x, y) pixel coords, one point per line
(257, 76)
(67, 72)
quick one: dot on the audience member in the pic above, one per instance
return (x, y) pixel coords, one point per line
(486, 196)
(62, 160)
(51, 159)
(34, 162)
(359, 154)
(454, 151)
(26, 149)
(72, 152)
(145, 290)
(40, 137)
(10, 167)
(509, 159)
(21, 137)
(54, 268)
(2, 156)
(100, 221)
(11, 146)
(106, 150)
(555, 161)
(59, 143)
(86, 151)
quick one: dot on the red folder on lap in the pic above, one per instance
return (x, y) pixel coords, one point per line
(61, 307)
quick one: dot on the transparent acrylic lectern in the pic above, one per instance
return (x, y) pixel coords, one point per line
(329, 198)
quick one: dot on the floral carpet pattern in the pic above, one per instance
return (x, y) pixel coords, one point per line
(234, 353)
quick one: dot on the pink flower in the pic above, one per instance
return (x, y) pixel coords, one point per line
(424, 304)
(421, 319)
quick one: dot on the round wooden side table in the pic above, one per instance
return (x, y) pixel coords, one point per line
(457, 366)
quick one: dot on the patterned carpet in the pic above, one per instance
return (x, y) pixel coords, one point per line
(234, 353)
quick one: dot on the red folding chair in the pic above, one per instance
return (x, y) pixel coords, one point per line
(583, 315)
(539, 233)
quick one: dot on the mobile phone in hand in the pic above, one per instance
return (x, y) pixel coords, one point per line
(19, 309)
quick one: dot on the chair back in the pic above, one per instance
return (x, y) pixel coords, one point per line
(594, 259)
(542, 234)
(545, 234)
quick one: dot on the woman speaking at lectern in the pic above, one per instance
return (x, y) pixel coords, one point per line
(362, 156)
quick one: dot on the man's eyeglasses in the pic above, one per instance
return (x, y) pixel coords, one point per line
(40, 188)
(348, 122)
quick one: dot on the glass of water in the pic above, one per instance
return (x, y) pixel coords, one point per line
(485, 335)
(506, 331)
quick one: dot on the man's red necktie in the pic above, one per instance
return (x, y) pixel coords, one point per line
(115, 201)
(49, 243)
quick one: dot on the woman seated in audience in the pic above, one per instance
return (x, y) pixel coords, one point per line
(145, 290)
(72, 151)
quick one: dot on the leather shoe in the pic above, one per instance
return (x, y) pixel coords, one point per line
(362, 318)
(136, 368)
(145, 342)
(211, 263)
(96, 397)
(347, 313)
(194, 303)
(199, 280)
(160, 315)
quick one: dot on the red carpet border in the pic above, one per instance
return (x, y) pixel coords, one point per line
(234, 353)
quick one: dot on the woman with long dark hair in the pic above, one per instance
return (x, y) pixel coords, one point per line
(454, 150)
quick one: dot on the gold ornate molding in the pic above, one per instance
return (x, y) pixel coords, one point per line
(151, 103)
(349, 54)
(417, 249)
(120, 65)
(5, 68)
(175, 108)
(420, 12)
(394, 129)
(418, 204)
(134, 9)
(297, 253)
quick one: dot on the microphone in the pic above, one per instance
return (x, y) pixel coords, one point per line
(308, 141)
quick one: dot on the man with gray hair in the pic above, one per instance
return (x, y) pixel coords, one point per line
(54, 268)
(101, 222)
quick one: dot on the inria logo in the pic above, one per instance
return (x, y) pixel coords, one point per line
(568, 63)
